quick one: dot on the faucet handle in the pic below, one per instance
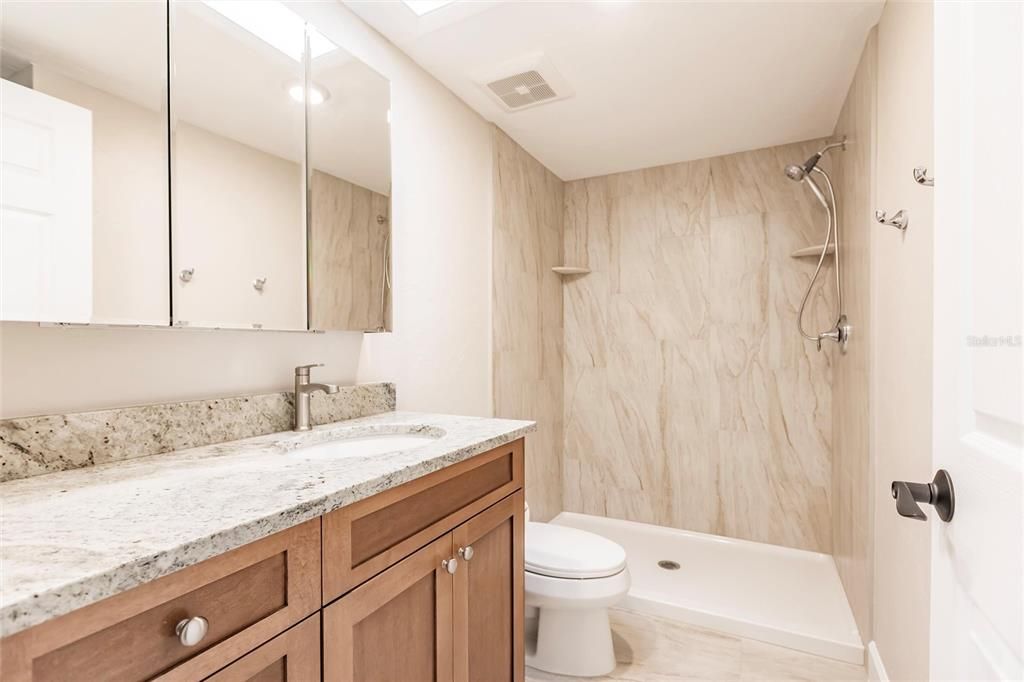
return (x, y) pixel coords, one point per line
(303, 370)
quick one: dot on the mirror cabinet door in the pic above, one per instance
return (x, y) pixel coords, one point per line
(350, 189)
(238, 152)
(84, 222)
(142, 192)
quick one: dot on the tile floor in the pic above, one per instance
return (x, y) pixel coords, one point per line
(650, 649)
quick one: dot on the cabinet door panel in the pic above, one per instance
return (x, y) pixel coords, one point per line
(396, 627)
(488, 594)
(83, 161)
(238, 161)
(292, 655)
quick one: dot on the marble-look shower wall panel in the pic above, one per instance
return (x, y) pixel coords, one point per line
(851, 405)
(349, 255)
(527, 313)
(690, 399)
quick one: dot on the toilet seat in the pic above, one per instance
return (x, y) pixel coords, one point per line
(564, 552)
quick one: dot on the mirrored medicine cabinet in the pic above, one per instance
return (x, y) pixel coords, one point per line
(212, 164)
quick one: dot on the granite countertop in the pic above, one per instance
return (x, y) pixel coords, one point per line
(73, 538)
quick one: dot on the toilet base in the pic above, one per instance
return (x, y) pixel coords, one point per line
(575, 642)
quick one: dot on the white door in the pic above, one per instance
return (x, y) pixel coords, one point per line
(977, 567)
(45, 207)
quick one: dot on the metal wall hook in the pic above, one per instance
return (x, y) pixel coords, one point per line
(259, 283)
(186, 274)
(898, 220)
(921, 177)
(938, 493)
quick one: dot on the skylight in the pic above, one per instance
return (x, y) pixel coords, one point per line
(421, 7)
(275, 24)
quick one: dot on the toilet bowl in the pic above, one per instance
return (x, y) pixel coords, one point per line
(572, 577)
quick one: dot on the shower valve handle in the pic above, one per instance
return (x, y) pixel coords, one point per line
(840, 334)
(833, 335)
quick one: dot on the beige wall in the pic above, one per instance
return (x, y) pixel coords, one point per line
(852, 484)
(348, 256)
(690, 399)
(901, 355)
(528, 313)
(48, 370)
(440, 353)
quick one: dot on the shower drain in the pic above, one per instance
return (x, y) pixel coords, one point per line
(668, 565)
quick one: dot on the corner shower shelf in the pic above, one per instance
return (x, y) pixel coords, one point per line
(812, 251)
(570, 270)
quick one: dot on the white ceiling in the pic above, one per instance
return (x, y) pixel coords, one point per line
(654, 82)
(226, 80)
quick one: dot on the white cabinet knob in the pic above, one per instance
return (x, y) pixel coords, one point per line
(466, 552)
(450, 565)
(191, 631)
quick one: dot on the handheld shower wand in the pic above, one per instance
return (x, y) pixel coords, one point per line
(840, 331)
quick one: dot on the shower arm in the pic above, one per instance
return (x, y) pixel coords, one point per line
(841, 144)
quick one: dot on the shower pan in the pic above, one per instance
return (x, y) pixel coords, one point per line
(840, 331)
(779, 595)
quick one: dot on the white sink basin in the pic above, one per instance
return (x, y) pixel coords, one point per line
(365, 445)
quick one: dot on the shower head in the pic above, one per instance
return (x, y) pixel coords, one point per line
(798, 173)
(795, 172)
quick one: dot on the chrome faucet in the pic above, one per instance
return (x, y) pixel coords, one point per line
(303, 389)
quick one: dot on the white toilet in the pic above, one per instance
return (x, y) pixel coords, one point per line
(572, 577)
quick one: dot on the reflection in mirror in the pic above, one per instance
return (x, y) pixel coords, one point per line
(84, 224)
(238, 164)
(350, 189)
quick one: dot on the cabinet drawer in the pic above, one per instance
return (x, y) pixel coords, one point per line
(247, 596)
(292, 655)
(364, 538)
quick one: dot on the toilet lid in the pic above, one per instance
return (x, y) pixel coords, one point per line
(563, 552)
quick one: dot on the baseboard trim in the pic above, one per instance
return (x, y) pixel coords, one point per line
(876, 669)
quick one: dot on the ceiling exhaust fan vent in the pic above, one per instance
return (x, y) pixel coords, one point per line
(524, 83)
(522, 89)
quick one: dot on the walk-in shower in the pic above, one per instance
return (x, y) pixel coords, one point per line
(840, 331)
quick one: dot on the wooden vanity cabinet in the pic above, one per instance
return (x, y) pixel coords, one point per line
(451, 611)
(420, 582)
(247, 596)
